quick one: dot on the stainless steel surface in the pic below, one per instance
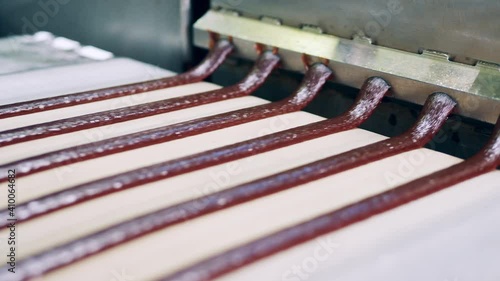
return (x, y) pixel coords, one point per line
(413, 76)
(44, 50)
(466, 29)
(150, 31)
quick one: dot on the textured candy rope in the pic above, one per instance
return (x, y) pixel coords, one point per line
(370, 96)
(434, 114)
(484, 161)
(263, 67)
(312, 83)
(215, 58)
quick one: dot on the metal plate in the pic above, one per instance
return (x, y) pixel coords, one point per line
(466, 29)
(154, 32)
(413, 76)
(44, 50)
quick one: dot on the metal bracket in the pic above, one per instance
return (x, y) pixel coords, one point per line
(412, 76)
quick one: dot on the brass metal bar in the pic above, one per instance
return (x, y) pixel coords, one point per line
(475, 88)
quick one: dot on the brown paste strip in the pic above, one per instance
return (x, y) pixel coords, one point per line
(488, 159)
(263, 67)
(312, 83)
(370, 96)
(436, 110)
(216, 56)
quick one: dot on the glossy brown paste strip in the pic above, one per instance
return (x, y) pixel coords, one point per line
(312, 83)
(370, 96)
(434, 114)
(485, 161)
(263, 67)
(216, 56)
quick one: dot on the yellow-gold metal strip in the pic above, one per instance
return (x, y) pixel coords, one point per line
(413, 76)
